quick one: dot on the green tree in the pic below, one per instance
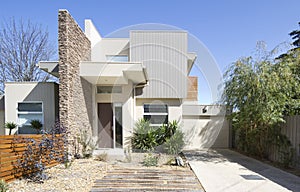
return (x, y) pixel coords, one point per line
(296, 37)
(260, 90)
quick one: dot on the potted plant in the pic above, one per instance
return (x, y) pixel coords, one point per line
(36, 124)
(10, 126)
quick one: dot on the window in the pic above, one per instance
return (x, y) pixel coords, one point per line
(157, 114)
(117, 58)
(28, 111)
(109, 89)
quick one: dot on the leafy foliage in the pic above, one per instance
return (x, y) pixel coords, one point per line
(39, 153)
(296, 37)
(174, 144)
(261, 91)
(88, 144)
(150, 160)
(144, 136)
(10, 126)
(148, 138)
(3, 186)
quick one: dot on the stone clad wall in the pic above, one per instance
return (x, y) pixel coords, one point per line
(75, 93)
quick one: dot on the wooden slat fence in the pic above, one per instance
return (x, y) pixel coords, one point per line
(292, 130)
(13, 152)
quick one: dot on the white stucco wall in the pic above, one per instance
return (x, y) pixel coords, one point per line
(205, 132)
(115, 46)
(31, 91)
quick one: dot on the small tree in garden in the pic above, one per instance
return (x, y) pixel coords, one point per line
(36, 124)
(10, 126)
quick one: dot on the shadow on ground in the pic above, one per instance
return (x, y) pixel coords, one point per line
(285, 179)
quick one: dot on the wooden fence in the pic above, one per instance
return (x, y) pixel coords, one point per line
(14, 152)
(292, 130)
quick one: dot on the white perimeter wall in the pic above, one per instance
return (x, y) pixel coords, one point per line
(206, 132)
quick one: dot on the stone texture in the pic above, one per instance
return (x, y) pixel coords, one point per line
(75, 94)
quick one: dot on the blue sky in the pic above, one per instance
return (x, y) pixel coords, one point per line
(229, 29)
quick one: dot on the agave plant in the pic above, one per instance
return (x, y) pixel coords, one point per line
(10, 126)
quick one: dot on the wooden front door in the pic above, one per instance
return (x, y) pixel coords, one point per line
(105, 125)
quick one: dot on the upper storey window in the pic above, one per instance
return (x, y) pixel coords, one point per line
(117, 58)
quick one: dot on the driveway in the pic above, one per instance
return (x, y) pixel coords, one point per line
(226, 170)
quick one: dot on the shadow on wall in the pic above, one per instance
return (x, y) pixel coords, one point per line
(206, 130)
(45, 92)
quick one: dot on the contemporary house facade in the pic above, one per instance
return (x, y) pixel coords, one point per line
(107, 84)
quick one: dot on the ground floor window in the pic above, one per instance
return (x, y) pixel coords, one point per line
(28, 111)
(157, 114)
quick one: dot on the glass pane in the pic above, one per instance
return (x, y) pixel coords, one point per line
(117, 58)
(27, 129)
(30, 107)
(118, 127)
(155, 108)
(25, 119)
(109, 89)
(157, 119)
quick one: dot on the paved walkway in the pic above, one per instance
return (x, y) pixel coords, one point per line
(148, 179)
(226, 170)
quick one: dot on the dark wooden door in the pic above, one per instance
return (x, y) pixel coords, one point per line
(105, 125)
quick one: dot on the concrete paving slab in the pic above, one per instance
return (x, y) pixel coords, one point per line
(226, 170)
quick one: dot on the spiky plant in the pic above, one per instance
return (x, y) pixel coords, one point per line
(10, 126)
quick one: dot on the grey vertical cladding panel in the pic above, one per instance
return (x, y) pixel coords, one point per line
(164, 55)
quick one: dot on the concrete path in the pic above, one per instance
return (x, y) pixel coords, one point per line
(226, 170)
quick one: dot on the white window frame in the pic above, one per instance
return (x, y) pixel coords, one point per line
(30, 112)
(156, 113)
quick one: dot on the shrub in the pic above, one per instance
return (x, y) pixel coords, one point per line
(147, 138)
(3, 186)
(88, 144)
(175, 143)
(150, 160)
(38, 154)
(10, 126)
(144, 136)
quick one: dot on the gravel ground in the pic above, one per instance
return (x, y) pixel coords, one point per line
(78, 177)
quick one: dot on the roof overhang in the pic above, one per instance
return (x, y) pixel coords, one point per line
(50, 67)
(191, 59)
(113, 72)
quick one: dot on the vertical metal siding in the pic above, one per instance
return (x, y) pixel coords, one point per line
(163, 53)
